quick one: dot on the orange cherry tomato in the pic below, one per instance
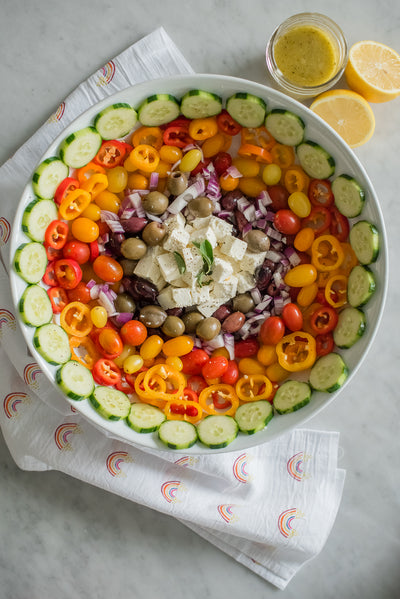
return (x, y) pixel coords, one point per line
(108, 269)
(84, 229)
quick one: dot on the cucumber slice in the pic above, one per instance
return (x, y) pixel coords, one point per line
(30, 261)
(35, 306)
(48, 176)
(350, 327)
(52, 343)
(80, 147)
(158, 109)
(110, 403)
(349, 196)
(198, 104)
(253, 416)
(246, 109)
(285, 126)
(291, 396)
(360, 286)
(328, 373)
(115, 121)
(145, 418)
(217, 431)
(364, 239)
(177, 434)
(37, 217)
(316, 161)
(75, 380)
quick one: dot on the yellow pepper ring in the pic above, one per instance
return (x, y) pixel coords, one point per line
(326, 253)
(225, 392)
(296, 351)
(253, 387)
(144, 396)
(183, 416)
(170, 376)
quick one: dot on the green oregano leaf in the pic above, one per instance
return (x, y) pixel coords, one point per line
(180, 263)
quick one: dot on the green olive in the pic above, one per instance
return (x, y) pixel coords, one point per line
(243, 303)
(201, 207)
(177, 183)
(128, 266)
(191, 320)
(257, 241)
(154, 233)
(133, 248)
(152, 316)
(173, 326)
(208, 328)
(124, 303)
(155, 202)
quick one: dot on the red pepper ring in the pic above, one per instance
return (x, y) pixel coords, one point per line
(106, 372)
(178, 409)
(324, 344)
(68, 273)
(65, 187)
(58, 297)
(324, 320)
(56, 234)
(112, 153)
(177, 135)
(227, 124)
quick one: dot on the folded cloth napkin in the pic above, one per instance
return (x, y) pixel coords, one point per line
(271, 507)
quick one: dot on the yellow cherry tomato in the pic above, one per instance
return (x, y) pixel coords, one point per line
(117, 179)
(307, 295)
(151, 347)
(92, 211)
(170, 154)
(132, 363)
(266, 355)
(271, 174)
(247, 166)
(251, 186)
(138, 181)
(250, 366)
(99, 316)
(178, 346)
(304, 239)
(107, 200)
(190, 160)
(299, 204)
(174, 362)
(301, 275)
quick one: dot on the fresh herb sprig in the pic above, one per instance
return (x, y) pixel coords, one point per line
(180, 263)
(206, 251)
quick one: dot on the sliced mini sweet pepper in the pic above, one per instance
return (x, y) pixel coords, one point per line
(252, 387)
(296, 351)
(295, 179)
(95, 184)
(214, 396)
(336, 290)
(179, 409)
(85, 172)
(257, 152)
(74, 204)
(58, 297)
(326, 253)
(83, 350)
(174, 381)
(145, 158)
(75, 319)
(258, 136)
(158, 384)
(200, 129)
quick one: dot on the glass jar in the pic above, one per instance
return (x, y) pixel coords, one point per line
(306, 55)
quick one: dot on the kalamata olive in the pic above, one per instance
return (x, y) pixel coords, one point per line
(173, 326)
(133, 248)
(233, 322)
(257, 241)
(124, 303)
(243, 303)
(154, 233)
(241, 220)
(174, 311)
(201, 207)
(264, 276)
(222, 312)
(208, 328)
(191, 320)
(152, 316)
(155, 202)
(134, 224)
(128, 266)
(177, 183)
(141, 290)
(229, 200)
(114, 243)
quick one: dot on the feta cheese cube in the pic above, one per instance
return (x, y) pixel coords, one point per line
(168, 266)
(165, 298)
(148, 267)
(208, 308)
(200, 295)
(245, 282)
(252, 260)
(201, 223)
(233, 247)
(222, 270)
(182, 297)
(177, 221)
(193, 260)
(220, 227)
(176, 240)
(200, 235)
(226, 289)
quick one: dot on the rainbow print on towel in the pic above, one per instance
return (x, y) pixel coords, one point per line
(170, 489)
(12, 402)
(63, 433)
(31, 373)
(295, 465)
(7, 318)
(115, 460)
(106, 73)
(240, 468)
(225, 510)
(57, 116)
(286, 524)
(186, 461)
(5, 231)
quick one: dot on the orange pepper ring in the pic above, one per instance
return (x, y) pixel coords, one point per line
(227, 391)
(171, 416)
(250, 380)
(323, 251)
(74, 203)
(168, 374)
(76, 314)
(296, 351)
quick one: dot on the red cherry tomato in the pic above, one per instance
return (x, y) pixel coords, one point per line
(193, 362)
(94, 250)
(279, 196)
(320, 193)
(94, 336)
(272, 330)
(80, 293)
(324, 344)
(110, 341)
(287, 222)
(106, 372)
(292, 317)
(215, 367)
(227, 124)
(339, 225)
(108, 269)
(221, 162)
(133, 332)
(246, 348)
(231, 374)
(77, 250)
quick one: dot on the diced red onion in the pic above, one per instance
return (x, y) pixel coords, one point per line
(233, 172)
(193, 191)
(292, 256)
(127, 213)
(273, 233)
(90, 284)
(122, 317)
(212, 344)
(107, 303)
(242, 204)
(250, 213)
(261, 223)
(153, 181)
(263, 305)
(246, 228)
(153, 217)
(270, 216)
(94, 291)
(264, 198)
(224, 214)
(256, 295)
(273, 256)
(260, 208)
(229, 343)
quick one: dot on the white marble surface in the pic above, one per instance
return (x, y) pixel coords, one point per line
(60, 537)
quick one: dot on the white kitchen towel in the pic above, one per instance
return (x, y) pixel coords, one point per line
(271, 507)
